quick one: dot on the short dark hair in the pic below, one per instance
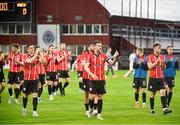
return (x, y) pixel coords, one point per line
(29, 45)
(62, 43)
(16, 45)
(97, 41)
(90, 43)
(169, 47)
(156, 44)
(51, 46)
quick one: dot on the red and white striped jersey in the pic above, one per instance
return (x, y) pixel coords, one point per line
(85, 59)
(41, 68)
(97, 64)
(79, 63)
(157, 71)
(51, 60)
(31, 69)
(63, 64)
(14, 66)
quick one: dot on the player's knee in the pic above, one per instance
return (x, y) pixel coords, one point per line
(136, 90)
(34, 95)
(67, 79)
(163, 92)
(9, 86)
(16, 85)
(25, 95)
(143, 90)
(152, 95)
(170, 89)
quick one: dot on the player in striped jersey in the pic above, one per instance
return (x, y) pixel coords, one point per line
(15, 60)
(85, 84)
(170, 72)
(95, 68)
(42, 80)
(63, 57)
(156, 65)
(51, 71)
(2, 79)
(31, 62)
(78, 64)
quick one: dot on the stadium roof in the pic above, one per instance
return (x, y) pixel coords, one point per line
(165, 9)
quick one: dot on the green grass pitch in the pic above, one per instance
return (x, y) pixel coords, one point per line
(118, 106)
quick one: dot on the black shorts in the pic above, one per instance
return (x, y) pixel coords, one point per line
(139, 83)
(2, 79)
(85, 85)
(79, 73)
(21, 76)
(156, 84)
(30, 86)
(63, 74)
(14, 77)
(97, 87)
(51, 76)
(170, 81)
(42, 79)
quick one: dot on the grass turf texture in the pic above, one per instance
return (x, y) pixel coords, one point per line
(118, 106)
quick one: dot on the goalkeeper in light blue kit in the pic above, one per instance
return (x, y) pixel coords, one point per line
(170, 72)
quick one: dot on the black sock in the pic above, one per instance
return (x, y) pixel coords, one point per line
(152, 103)
(144, 97)
(95, 106)
(136, 97)
(39, 92)
(16, 91)
(49, 89)
(10, 91)
(53, 88)
(80, 85)
(21, 88)
(100, 104)
(163, 101)
(25, 100)
(57, 87)
(91, 104)
(86, 106)
(169, 98)
(60, 86)
(35, 104)
(65, 85)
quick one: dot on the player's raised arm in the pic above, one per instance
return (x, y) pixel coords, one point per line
(112, 62)
(73, 65)
(41, 59)
(152, 65)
